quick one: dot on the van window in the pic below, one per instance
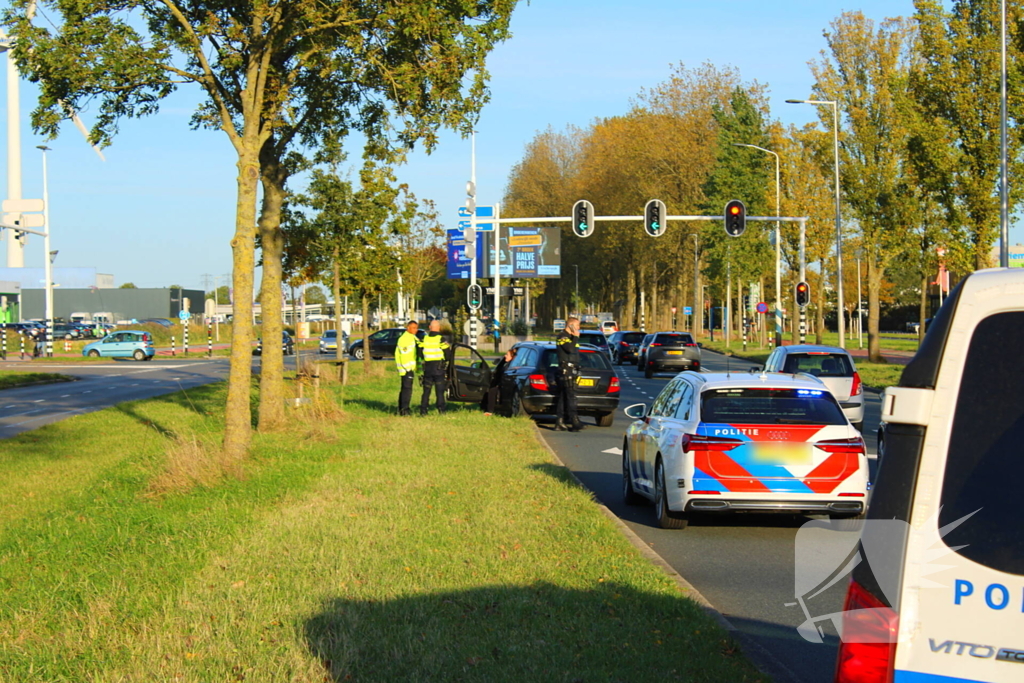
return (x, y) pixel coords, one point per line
(984, 464)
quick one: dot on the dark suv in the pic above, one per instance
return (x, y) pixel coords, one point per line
(676, 350)
(529, 385)
(624, 346)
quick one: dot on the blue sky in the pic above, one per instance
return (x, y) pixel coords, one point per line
(160, 210)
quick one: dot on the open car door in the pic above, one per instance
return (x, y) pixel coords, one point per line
(469, 375)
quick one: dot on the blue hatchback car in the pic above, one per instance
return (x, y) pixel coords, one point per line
(136, 344)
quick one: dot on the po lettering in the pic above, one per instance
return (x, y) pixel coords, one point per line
(996, 596)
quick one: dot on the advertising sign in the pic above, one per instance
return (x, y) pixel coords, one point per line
(526, 252)
(459, 256)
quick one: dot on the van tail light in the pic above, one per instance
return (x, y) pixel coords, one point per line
(867, 651)
(857, 387)
(539, 382)
(692, 442)
(613, 388)
(854, 445)
(656, 344)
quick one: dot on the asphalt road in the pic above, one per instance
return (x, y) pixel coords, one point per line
(743, 564)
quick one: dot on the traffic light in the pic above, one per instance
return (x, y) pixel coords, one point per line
(803, 294)
(475, 296)
(735, 218)
(583, 218)
(654, 218)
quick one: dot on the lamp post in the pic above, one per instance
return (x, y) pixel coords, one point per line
(48, 263)
(697, 322)
(839, 231)
(778, 246)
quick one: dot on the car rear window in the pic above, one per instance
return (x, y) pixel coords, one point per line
(819, 364)
(673, 339)
(984, 466)
(633, 337)
(330, 334)
(591, 360)
(595, 338)
(770, 406)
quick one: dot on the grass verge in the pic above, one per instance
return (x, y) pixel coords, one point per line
(359, 547)
(11, 379)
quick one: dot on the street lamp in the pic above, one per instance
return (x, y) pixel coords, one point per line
(778, 246)
(48, 262)
(839, 232)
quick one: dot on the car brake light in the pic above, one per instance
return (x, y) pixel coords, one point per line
(622, 343)
(539, 382)
(868, 647)
(613, 388)
(691, 442)
(657, 344)
(854, 445)
(857, 388)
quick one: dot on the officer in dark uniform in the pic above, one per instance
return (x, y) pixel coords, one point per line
(567, 346)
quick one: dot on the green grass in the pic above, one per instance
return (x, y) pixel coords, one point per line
(357, 545)
(10, 379)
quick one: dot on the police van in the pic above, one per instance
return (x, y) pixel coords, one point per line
(944, 602)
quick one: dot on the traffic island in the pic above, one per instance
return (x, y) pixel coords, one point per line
(365, 546)
(13, 380)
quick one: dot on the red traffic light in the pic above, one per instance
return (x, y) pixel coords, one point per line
(734, 210)
(735, 218)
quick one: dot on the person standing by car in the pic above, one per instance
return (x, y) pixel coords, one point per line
(435, 365)
(493, 393)
(567, 346)
(405, 359)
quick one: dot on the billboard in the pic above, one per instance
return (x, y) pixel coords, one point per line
(526, 252)
(459, 256)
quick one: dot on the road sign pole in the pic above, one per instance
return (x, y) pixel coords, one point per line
(473, 332)
(803, 277)
(497, 267)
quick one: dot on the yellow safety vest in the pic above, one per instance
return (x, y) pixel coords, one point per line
(405, 353)
(434, 347)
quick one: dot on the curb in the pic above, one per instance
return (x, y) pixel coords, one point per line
(765, 662)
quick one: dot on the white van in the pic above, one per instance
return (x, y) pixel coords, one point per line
(942, 599)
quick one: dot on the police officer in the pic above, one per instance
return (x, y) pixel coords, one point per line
(435, 348)
(567, 345)
(405, 359)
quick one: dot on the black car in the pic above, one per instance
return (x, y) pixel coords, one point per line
(674, 350)
(624, 346)
(596, 338)
(529, 385)
(382, 343)
(287, 345)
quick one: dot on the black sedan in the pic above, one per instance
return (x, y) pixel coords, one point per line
(287, 345)
(528, 385)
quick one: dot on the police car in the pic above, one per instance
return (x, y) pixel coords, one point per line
(721, 443)
(942, 600)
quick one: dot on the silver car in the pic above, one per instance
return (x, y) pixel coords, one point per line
(830, 364)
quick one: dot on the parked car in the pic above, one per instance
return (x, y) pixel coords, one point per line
(382, 343)
(720, 443)
(329, 341)
(137, 344)
(609, 326)
(598, 339)
(60, 331)
(529, 384)
(940, 599)
(624, 346)
(833, 366)
(287, 345)
(670, 350)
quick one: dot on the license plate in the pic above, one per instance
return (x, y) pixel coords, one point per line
(584, 382)
(782, 454)
(674, 353)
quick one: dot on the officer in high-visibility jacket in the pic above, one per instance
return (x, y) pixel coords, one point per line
(405, 359)
(435, 349)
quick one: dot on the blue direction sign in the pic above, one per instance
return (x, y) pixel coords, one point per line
(687, 310)
(480, 227)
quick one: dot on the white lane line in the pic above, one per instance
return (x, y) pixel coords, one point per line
(13, 405)
(27, 412)
(86, 392)
(39, 400)
(34, 419)
(613, 451)
(65, 395)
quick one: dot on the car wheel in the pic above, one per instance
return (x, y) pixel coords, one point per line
(139, 354)
(667, 519)
(618, 359)
(629, 494)
(648, 371)
(605, 419)
(94, 353)
(517, 409)
(357, 353)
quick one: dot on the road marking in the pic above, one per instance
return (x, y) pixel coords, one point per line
(613, 451)
(65, 395)
(13, 405)
(39, 400)
(87, 392)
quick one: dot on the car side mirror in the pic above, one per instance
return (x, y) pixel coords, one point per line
(700, 345)
(637, 411)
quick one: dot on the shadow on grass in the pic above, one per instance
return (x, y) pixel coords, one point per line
(391, 407)
(541, 632)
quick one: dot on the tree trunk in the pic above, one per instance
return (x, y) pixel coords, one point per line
(819, 314)
(271, 410)
(875, 274)
(629, 314)
(923, 308)
(238, 409)
(339, 354)
(367, 359)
